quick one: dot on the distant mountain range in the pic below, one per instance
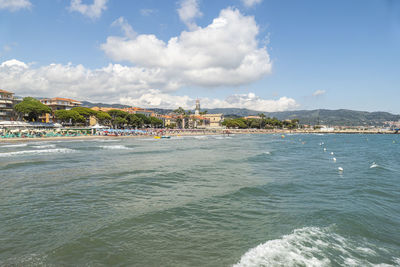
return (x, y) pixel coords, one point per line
(340, 117)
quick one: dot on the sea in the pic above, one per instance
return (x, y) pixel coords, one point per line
(239, 200)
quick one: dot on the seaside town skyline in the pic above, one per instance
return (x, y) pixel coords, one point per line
(141, 54)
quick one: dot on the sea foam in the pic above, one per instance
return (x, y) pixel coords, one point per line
(34, 152)
(309, 246)
(115, 147)
(14, 145)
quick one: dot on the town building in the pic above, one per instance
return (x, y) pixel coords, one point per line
(169, 120)
(252, 117)
(7, 102)
(215, 120)
(197, 110)
(105, 109)
(136, 110)
(58, 103)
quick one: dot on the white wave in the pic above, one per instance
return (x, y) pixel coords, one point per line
(103, 140)
(309, 246)
(15, 145)
(45, 146)
(200, 136)
(373, 165)
(44, 151)
(115, 147)
(267, 153)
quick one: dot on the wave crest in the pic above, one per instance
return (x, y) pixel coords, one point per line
(34, 152)
(309, 246)
(115, 147)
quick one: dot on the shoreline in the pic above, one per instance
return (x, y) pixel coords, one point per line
(209, 132)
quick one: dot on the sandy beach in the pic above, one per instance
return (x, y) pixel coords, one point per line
(184, 133)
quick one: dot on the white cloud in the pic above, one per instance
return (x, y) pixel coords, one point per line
(13, 63)
(125, 27)
(188, 11)
(93, 11)
(104, 84)
(155, 98)
(225, 53)
(147, 11)
(319, 93)
(117, 83)
(14, 5)
(250, 3)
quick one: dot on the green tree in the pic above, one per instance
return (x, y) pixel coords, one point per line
(135, 121)
(180, 111)
(103, 117)
(118, 118)
(144, 118)
(235, 123)
(156, 122)
(254, 124)
(114, 113)
(85, 112)
(262, 120)
(69, 116)
(31, 108)
(120, 122)
(179, 122)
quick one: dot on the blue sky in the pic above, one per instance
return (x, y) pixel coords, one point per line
(267, 55)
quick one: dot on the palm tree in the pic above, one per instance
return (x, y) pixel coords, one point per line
(262, 116)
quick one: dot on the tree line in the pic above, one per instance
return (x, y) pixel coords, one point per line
(31, 109)
(262, 123)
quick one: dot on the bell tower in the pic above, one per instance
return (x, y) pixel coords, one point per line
(197, 110)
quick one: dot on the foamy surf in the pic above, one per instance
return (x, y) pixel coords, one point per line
(115, 147)
(374, 165)
(34, 152)
(310, 246)
(14, 145)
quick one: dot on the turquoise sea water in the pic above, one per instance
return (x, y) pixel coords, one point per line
(244, 200)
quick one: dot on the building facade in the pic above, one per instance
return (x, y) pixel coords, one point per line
(6, 105)
(215, 120)
(58, 103)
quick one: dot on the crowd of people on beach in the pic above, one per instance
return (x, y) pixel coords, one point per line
(65, 132)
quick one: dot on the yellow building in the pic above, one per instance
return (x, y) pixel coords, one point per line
(215, 120)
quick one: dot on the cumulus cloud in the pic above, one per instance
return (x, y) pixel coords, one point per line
(117, 83)
(319, 92)
(104, 84)
(125, 27)
(92, 11)
(155, 98)
(250, 3)
(188, 12)
(14, 5)
(14, 64)
(225, 53)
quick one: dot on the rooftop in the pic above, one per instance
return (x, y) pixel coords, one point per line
(63, 99)
(5, 92)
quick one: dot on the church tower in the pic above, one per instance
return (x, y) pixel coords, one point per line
(197, 110)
